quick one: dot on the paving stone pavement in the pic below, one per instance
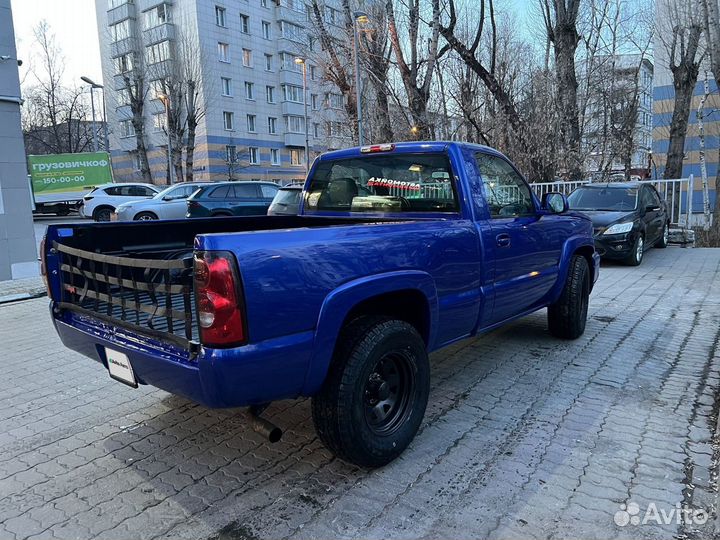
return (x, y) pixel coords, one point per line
(525, 436)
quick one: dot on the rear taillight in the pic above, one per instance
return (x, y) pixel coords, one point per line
(387, 147)
(218, 298)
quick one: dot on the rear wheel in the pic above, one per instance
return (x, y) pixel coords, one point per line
(636, 256)
(374, 397)
(103, 213)
(145, 216)
(664, 238)
(567, 316)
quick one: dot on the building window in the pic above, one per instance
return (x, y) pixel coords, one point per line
(268, 62)
(316, 130)
(313, 73)
(157, 16)
(244, 24)
(249, 90)
(292, 93)
(251, 123)
(272, 125)
(126, 128)
(223, 52)
(120, 31)
(291, 31)
(274, 156)
(270, 94)
(253, 155)
(315, 102)
(158, 52)
(266, 29)
(335, 101)
(247, 57)
(311, 43)
(296, 157)
(231, 153)
(220, 16)
(295, 124)
(123, 97)
(123, 64)
(264, 3)
(288, 62)
(117, 3)
(159, 121)
(334, 129)
(226, 86)
(157, 89)
(228, 120)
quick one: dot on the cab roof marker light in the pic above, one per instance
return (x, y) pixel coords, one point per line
(387, 147)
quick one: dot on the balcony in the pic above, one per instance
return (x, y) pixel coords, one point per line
(295, 139)
(122, 47)
(289, 76)
(159, 70)
(284, 13)
(120, 13)
(147, 5)
(163, 32)
(290, 107)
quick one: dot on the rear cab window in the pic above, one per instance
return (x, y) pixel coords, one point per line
(387, 183)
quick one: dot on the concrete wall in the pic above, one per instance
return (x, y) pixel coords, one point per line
(17, 237)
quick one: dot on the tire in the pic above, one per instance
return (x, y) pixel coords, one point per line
(567, 316)
(636, 257)
(375, 394)
(664, 238)
(145, 216)
(103, 213)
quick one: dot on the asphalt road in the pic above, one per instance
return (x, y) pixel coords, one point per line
(525, 436)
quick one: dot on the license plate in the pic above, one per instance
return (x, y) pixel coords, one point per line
(120, 367)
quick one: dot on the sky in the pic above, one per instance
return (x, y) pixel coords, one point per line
(75, 29)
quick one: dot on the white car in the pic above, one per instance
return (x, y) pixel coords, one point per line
(101, 202)
(168, 204)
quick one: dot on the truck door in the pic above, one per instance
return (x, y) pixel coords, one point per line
(526, 243)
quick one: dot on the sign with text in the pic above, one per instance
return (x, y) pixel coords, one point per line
(55, 173)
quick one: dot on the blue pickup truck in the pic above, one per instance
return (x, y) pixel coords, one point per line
(398, 251)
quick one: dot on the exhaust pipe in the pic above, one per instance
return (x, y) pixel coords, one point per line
(263, 426)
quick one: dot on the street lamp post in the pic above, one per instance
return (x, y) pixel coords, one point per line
(166, 102)
(94, 85)
(307, 145)
(359, 17)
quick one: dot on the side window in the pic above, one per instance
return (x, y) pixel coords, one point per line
(646, 198)
(113, 191)
(655, 196)
(505, 191)
(268, 192)
(245, 191)
(219, 192)
(148, 192)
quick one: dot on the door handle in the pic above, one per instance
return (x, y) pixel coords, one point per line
(503, 240)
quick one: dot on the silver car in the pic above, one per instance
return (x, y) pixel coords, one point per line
(168, 204)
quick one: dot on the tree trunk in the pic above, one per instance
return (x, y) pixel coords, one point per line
(190, 151)
(566, 39)
(384, 128)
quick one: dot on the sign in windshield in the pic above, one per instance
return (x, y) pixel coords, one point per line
(383, 183)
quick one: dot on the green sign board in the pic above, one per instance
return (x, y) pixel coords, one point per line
(55, 173)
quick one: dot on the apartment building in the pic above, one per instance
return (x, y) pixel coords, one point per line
(251, 86)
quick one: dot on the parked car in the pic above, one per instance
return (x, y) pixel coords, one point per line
(628, 218)
(343, 302)
(286, 201)
(232, 199)
(102, 201)
(170, 203)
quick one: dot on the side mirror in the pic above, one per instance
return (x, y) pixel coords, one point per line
(555, 202)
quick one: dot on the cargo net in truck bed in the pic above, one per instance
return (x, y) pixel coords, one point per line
(151, 295)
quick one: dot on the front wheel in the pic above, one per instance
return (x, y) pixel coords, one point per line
(145, 216)
(567, 316)
(665, 238)
(374, 397)
(636, 255)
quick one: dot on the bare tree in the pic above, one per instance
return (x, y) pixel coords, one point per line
(376, 51)
(560, 18)
(680, 33)
(54, 117)
(416, 65)
(711, 24)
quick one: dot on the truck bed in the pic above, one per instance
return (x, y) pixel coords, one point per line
(139, 274)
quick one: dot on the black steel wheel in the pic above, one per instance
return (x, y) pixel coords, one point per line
(374, 396)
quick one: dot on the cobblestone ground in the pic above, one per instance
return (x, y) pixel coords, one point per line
(525, 436)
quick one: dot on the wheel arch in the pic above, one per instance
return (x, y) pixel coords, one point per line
(576, 245)
(103, 206)
(406, 295)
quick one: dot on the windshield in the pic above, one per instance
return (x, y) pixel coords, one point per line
(611, 198)
(287, 196)
(383, 183)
